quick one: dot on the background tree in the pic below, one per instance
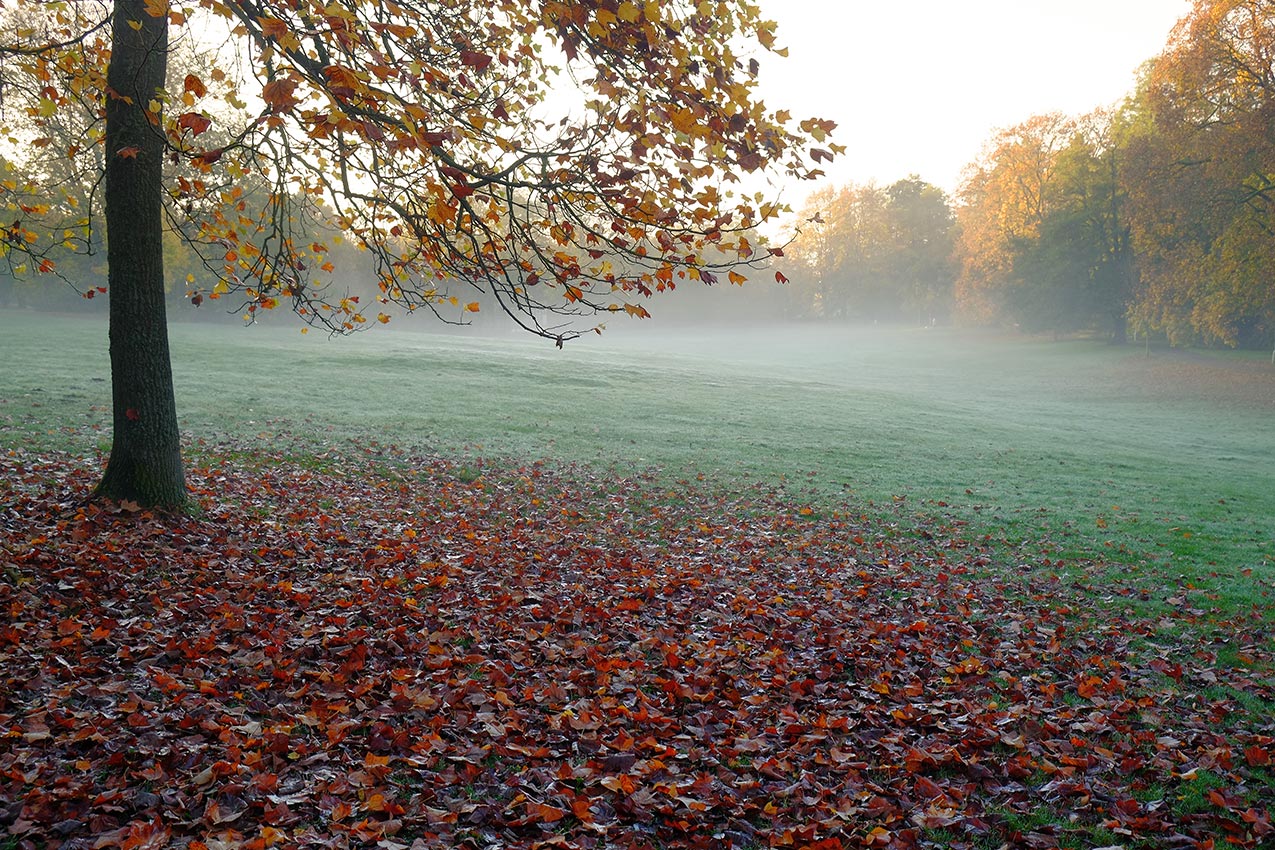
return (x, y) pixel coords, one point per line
(425, 133)
(920, 263)
(1077, 272)
(864, 253)
(1003, 204)
(1202, 177)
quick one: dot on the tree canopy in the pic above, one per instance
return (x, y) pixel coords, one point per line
(434, 135)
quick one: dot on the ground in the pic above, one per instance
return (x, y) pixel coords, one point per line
(375, 647)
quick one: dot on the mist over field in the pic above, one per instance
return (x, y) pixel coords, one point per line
(1164, 452)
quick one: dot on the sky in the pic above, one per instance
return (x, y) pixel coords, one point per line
(919, 86)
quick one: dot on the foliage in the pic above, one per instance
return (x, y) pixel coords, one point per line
(1159, 215)
(1077, 274)
(867, 253)
(1203, 151)
(430, 135)
(1040, 232)
(375, 646)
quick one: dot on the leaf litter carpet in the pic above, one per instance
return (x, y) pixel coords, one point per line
(387, 650)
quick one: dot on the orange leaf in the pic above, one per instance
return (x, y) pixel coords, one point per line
(209, 157)
(195, 86)
(548, 814)
(128, 152)
(280, 94)
(194, 122)
(273, 27)
(473, 307)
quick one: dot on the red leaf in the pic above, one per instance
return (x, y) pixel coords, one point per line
(132, 415)
(194, 122)
(477, 61)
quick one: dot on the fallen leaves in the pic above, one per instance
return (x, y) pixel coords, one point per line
(391, 650)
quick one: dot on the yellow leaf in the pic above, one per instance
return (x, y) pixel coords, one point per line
(47, 107)
(137, 25)
(627, 12)
(472, 306)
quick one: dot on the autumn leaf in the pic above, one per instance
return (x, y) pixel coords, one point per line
(477, 61)
(194, 122)
(194, 85)
(280, 94)
(209, 157)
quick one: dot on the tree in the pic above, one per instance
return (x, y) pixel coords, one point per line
(1077, 272)
(427, 132)
(919, 266)
(1201, 182)
(867, 253)
(1004, 201)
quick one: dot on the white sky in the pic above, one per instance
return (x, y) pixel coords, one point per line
(918, 86)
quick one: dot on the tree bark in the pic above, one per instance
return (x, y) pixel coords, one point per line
(145, 464)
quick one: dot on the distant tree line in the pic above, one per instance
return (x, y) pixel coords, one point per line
(1154, 218)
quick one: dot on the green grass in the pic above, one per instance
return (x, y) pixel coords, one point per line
(1160, 465)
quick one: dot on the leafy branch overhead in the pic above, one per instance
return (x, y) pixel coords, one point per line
(563, 157)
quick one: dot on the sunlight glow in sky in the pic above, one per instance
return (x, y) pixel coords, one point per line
(920, 86)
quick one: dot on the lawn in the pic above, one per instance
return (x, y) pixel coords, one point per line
(769, 588)
(1164, 461)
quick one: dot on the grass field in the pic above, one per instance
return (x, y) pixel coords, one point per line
(1163, 462)
(770, 588)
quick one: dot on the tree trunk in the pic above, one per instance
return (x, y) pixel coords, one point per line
(145, 465)
(1119, 329)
